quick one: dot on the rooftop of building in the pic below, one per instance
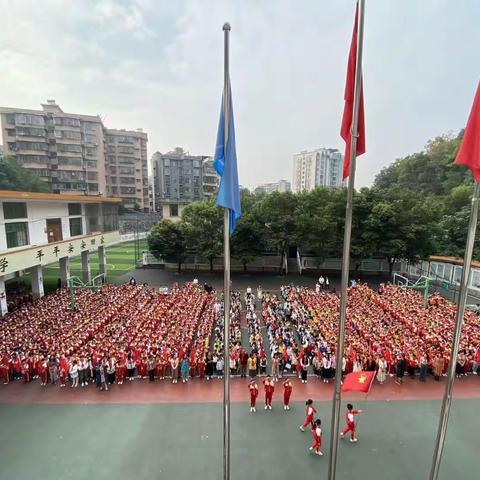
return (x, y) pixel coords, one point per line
(51, 107)
(121, 132)
(13, 195)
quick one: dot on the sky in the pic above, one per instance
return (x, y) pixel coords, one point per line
(158, 65)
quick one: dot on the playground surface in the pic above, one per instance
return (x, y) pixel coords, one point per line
(160, 430)
(120, 261)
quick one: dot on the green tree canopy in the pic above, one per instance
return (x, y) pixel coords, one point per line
(14, 177)
(203, 224)
(167, 241)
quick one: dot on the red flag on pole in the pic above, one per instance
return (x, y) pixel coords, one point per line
(358, 382)
(469, 152)
(347, 119)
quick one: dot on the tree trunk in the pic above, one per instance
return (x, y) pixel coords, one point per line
(391, 262)
(179, 266)
(281, 262)
(244, 268)
(211, 264)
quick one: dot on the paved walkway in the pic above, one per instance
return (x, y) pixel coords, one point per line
(201, 391)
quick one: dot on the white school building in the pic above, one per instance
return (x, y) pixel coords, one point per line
(38, 229)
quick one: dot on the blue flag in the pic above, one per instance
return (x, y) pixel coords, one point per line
(225, 163)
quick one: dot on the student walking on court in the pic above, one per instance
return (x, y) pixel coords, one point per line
(269, 389)
(317, 437)
(350, 422)
(287, 392)
(253, 389)
(309, 415)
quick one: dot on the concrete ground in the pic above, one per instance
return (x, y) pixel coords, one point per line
(184, 441)
(157, 277)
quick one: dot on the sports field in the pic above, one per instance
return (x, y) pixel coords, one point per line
(120, 260)
(180, 440)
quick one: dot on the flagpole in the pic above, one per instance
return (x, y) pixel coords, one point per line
(447, 397)
(226, 273)
(332, 464)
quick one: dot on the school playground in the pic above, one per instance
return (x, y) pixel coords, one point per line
(120, 261)
(147, 431)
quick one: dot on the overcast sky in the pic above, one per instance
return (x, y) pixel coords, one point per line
(157, 64)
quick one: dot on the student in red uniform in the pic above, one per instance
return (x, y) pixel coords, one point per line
(253, 388)
(269, 389)
(317, 437)
(350, 422)
(43, 371)
(63, 371)
(120, 373)
(25, 371)
(287, 392)
(309, 415)
(4, 369)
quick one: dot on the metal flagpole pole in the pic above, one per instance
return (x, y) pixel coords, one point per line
(332, 465)
(226, 273)
(447, 398)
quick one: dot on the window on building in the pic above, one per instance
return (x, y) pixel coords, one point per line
(74, 161)
(12, 210)
(74, 209)
(16, 234)
(69, 148)
(475, 278)
(75, 226)
(174, 210)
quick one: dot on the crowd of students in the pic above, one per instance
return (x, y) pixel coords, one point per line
(388, 331)
(121, 333)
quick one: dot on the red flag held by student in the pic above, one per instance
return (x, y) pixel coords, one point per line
(469, 152)
(347, 119)
(358, 382)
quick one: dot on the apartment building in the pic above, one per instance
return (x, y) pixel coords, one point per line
(319, 168)
(74, 152)
(180, 179)
(280, 186)
(127, 168)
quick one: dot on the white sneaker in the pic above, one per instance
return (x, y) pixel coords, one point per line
(353, 440)
(288, 407)
(254, 409)
(311, 448)
(302, 429)
(319, 453)
(269, 407)
(266, 407)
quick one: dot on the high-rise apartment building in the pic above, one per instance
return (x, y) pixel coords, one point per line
(128, 168)
(280, 186)
(74, 152)
(180, 179)
(210, 179)
(318, 168)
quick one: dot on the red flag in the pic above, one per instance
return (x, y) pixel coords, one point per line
(347, 119)
(469, 152)
(358, 382)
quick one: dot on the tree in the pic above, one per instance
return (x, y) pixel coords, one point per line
(317, 226)
(430, 172)
(167, 241)
(14, 177)
(277, 213)
(400, 225)
(203, 223)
